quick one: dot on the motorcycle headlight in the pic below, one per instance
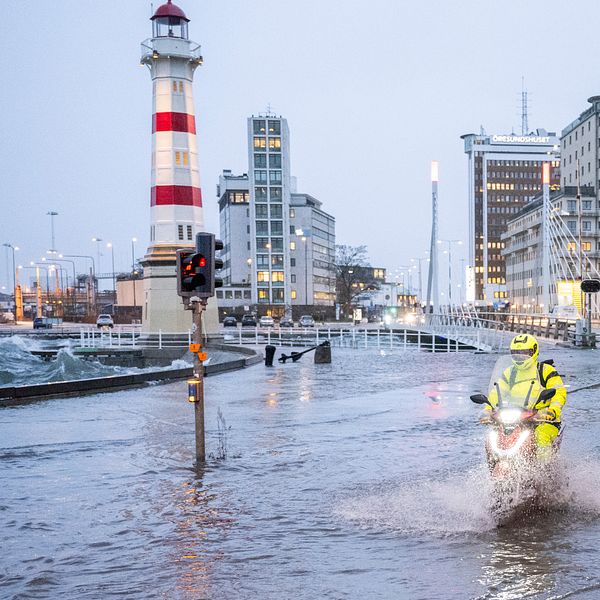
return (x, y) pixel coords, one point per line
(510, 416)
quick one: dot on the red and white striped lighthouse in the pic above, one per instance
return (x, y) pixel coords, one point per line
(175, 198)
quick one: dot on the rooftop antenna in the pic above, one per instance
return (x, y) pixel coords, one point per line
(270, 110)
(524, 106)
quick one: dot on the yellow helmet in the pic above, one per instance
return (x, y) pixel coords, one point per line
(524, 349)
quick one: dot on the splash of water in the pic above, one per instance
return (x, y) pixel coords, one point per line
(463, 503)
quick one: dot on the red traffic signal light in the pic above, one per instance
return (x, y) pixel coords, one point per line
(196, 270)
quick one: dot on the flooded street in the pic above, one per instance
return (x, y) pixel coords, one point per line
(363, 478)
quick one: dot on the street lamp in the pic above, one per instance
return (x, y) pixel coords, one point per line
(303, 235)
(112, 254)
(52, 214)
(449, 252)
(133, 271)
(91, 288)
(14, 249)
(97, 240)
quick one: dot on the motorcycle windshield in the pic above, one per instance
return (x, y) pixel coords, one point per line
(513, 387)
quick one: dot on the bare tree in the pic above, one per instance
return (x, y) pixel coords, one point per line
(353, 275)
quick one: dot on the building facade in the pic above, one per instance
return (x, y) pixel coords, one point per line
(504, 175)
(279, 245)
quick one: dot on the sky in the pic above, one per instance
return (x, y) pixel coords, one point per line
(373, 91)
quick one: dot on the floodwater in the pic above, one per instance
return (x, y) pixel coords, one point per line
(360, 479)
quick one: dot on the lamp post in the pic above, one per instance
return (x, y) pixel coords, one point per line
(14, 249)
(97, 240)
(46, 267)
(304, 237)
(133, 272)
(112, 254)
(449, 252)
(52, 214)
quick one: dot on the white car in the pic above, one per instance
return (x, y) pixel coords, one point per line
(564, 313)
(266, 322)
(105, 321)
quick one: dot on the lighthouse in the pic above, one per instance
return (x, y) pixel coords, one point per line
(175, 195)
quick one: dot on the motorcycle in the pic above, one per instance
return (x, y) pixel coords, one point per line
(519, 480)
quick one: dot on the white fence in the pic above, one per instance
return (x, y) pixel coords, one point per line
(348, 337)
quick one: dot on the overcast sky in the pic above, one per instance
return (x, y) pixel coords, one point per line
(373, 91)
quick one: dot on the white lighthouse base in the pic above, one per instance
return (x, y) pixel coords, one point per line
(163, 309)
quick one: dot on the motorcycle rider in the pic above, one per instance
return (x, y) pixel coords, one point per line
(522, 382)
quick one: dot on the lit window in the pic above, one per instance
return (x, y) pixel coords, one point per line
(186, 159)
(175, 86)
(178, 158)
(274, 127)
(274, 144)
(292, 245)
(262, 275)
(181, 87)
(294, 295)
(260, 143)
(277, 276)
(586, 246)
(292, 213)
(259, 126)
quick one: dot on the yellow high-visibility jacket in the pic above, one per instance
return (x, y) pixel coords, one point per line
(521, 387)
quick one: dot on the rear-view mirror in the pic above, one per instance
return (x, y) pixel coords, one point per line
(479, 399)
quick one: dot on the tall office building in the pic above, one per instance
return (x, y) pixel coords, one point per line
(270, 181)
(505, 173)
(279, 245)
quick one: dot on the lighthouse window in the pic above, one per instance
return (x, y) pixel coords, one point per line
(181, 87)
(178, 158)
(189, 232)
(180, 231)
(186, 159)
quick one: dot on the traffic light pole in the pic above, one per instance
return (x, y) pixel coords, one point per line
(198, 308)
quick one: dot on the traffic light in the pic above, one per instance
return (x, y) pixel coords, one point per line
(196, 270)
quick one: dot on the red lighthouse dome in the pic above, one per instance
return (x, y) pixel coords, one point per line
(169, 21)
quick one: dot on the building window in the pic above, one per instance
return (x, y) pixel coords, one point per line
(180, 231)
(572, 226)
(262, 227)
(587, 204)
(275, 177)
(292, 213)
(219, 293)
(263, 296)
(571, 205)
(189, 232)
(262, 261)
(292, 229)
(292, 262)
(259, 127)
(274, 144)
(260, 194)
(237, 294)
(276, 227)
(276, 194)
(278, 296)
(277, 276)
(586, 246)
(277, 261)
(261, 211)
(586, 225)
(260, 176)
(260, 143)
(260, 160)
(246, 294)
(262, 276)
(293, 278)
(277, 244)
(262, 243)
(276, 212)
(294, 294)
(292, 245)
(228, 295)
(274, 127)
(275, 161)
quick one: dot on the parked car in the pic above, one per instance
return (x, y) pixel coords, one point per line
(42, 323)
(564, 313)
(248, 320)
(105, 320)
(266, 322)
(306, 321)
(230, 321)
(286, 322)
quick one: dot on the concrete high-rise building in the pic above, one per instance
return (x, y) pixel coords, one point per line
(279, 245)
(504, 175)
(175, 200)
(270, 193)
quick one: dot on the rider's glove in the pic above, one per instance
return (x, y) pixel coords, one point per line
(547, 414)
(485, 418)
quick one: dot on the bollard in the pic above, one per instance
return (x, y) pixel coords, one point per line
(323, 354)
(269, 355)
